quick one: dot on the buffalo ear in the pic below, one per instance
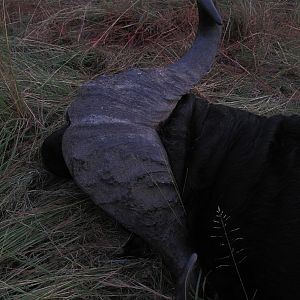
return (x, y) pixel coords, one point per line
(52, 155)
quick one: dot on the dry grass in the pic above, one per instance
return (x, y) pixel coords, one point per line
(54, 243)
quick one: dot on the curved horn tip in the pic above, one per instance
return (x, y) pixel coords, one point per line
(187, 279)
(209, 8)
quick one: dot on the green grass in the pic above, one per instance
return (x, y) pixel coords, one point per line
(54, 243)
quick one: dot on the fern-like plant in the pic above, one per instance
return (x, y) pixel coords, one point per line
(229, 240)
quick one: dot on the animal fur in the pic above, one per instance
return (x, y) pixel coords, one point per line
(248, 167)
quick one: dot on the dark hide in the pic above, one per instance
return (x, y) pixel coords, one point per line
(243, 171)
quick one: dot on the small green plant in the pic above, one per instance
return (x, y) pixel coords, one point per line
(232, 259)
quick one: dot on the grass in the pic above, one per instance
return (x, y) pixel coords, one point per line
(54, 243)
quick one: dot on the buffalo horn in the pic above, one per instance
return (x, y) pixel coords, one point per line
(114, 153)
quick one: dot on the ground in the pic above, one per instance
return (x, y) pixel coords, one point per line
(54, 243)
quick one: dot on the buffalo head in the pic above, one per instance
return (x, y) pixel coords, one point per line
(113, 152)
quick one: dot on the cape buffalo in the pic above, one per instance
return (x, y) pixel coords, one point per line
(238, 175)
(189, 177)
